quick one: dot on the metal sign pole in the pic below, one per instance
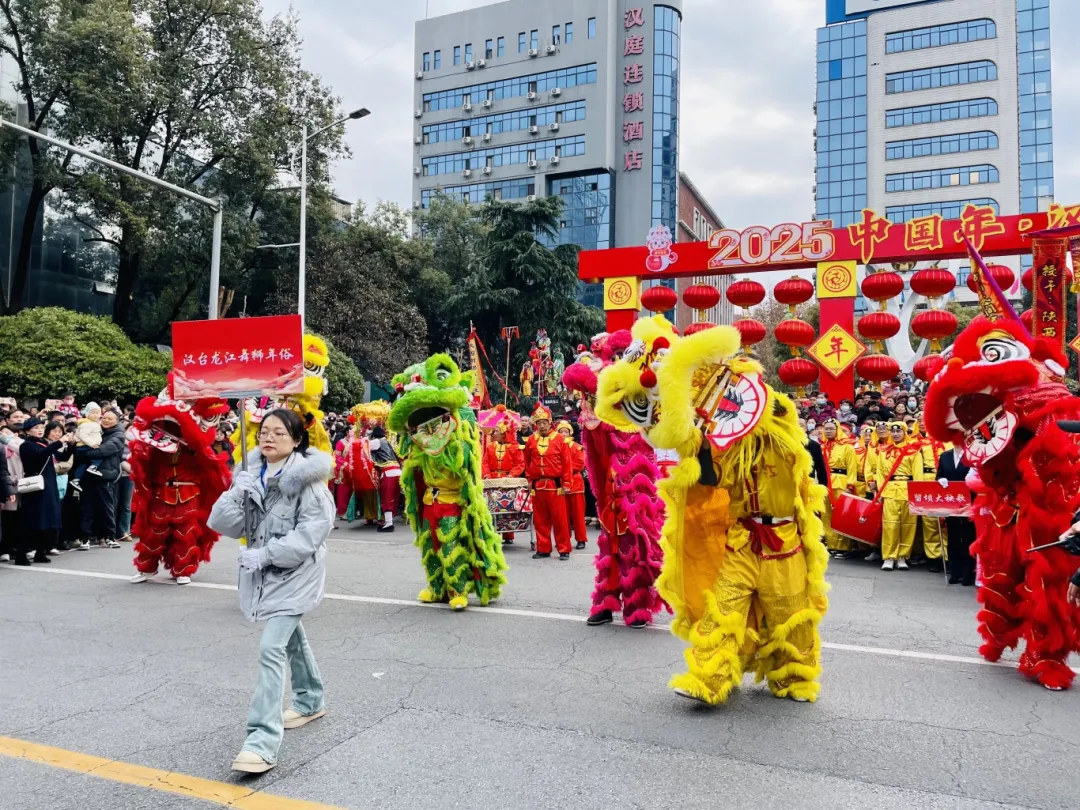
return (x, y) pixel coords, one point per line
(244, 466)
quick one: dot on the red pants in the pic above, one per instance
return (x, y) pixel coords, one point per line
(549, 515)
(388, 493)
(172, 533)
(342, 495)
(575, 512)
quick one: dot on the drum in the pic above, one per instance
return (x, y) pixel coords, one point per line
(509, 502)
(857, 518)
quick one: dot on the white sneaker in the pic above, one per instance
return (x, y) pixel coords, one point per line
(902, 565)
(889, 565)
(183, 580)
(5, 558)
(293, 718)
(250, 762)
(874, 557)
(140, 577)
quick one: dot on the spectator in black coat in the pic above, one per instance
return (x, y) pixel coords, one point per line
(40, 511)
(99, 490)
(961, 531)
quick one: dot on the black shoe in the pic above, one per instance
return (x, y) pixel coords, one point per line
(564, 557)
(42, 558)
(968, 583)
(20, 559)
(640, 624)
(508, 542)
(597, 619)
(541, 556)
(579, 546)
(935, 567)
(387, 528)
(954, 580)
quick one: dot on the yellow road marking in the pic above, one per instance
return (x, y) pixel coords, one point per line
(221, 793)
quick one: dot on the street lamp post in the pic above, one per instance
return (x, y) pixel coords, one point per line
(213, 205)
(301, 296)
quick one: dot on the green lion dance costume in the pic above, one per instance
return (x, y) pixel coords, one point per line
(744, 563)
(440, 474)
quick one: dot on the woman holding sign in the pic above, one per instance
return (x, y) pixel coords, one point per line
(282, 574)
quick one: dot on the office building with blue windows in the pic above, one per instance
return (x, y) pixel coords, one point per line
(925, 106)
(573, 98)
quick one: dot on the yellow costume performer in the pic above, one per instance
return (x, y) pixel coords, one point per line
(744, 565)
(364, 417)
(931, 526)
(864, 457)
(840, 459)
(897, 463)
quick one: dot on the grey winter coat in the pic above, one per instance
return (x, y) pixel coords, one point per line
(292, 520)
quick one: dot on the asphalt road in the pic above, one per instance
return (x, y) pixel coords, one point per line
(520, 707)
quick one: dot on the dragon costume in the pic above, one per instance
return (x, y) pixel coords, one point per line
(999, 397)
(440, 475)
(622, 475)
(316, 360)
(744, 562)
(177, 477)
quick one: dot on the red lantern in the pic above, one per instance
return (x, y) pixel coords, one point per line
(659, 298)
(746, 293)
(793, 291)
(934, 324)
(1004, 276)
(933, 282)
(878, 326)
(701, 297)
(699, 326)
(1028, 319)
(798, 372)
(882, 286)
(752, 331)
(877, 367)
(794, 332)
(926, 368)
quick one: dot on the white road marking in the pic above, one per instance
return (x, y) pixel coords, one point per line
(531, 614)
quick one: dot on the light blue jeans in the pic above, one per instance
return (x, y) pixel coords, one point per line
(283, 639)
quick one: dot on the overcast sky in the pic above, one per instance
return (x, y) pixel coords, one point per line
(748, 87)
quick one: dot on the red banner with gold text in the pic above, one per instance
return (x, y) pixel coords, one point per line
(1048, 288)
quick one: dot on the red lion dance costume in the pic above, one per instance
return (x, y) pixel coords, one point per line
(622, 475)
(177, 478)
(999, 397)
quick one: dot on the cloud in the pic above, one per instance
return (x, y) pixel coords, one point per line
(748, 87)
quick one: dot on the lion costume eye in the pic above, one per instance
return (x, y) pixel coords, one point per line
(1002, 350)
(442, 375)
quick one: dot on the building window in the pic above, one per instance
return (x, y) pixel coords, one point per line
(427, 61)
(511, 155)
(468, 51)
(521, 42)
(512, 88)
(945, 76)
(941, 178)
(951, 34)
(438, 59)
(457, 54)
(841, 123)
(515, 189)
(946, 210)
(934, 113)
(489, 50)
(569, 33)
(587, 220)
(501, 46)
(534, 39)
(941, 145)
(1036, 123)
(556, 37)
(667, 24)
(592, 27)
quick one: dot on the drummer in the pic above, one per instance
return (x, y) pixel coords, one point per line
(840, 459)
(503, 459)
(575, 496)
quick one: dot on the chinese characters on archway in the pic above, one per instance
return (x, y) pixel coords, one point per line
(633, 96)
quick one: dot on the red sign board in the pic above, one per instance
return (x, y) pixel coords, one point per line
(934, 500)
(795, 246)
(238, 357)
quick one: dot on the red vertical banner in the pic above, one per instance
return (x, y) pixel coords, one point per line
(1048, 288)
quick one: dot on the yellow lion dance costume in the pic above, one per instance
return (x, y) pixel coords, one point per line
(744, 561)
(316, 361)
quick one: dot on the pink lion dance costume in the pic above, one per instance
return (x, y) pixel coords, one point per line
(999, 397)
(622, 475)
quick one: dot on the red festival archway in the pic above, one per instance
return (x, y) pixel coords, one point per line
(833, 252)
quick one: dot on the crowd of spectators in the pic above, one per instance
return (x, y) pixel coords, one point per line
(900, 400)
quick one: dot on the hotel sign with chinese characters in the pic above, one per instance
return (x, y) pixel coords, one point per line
(873, 238)
(633, 103)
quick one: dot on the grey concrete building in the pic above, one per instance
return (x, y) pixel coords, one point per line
(574, 98)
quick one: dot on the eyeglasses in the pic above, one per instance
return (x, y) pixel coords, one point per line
(273, 435)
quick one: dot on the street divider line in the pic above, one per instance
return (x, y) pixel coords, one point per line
(224, 794)
(536, 614)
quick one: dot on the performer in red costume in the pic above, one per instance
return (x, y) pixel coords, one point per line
(502, 457)
(548, 467)
(999, 397)
(177, 478)
(575, 496)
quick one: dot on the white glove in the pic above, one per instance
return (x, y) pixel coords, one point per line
(248, 482)
(944, 483)
(254, 559)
